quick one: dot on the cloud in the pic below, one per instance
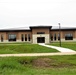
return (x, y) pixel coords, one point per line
(35, 12)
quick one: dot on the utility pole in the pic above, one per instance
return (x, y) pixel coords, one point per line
(60, 33)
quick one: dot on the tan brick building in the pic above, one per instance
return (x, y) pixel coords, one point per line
(37, 34)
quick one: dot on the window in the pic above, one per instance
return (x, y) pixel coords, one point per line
(12, 37)
(55, 37)
(69, 36)
(28, 37)
(51, 37)
(40, 32)
(1, 38)
(58, 36)
(25, 37)
(22, 37)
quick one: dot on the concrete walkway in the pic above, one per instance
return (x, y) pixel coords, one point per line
(58, 48)
(37, 54)
(63, 51)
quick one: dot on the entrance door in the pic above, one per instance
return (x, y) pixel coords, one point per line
(40, 39)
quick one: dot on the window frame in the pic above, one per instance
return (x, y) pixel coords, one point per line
(68, 36)
(10, 38)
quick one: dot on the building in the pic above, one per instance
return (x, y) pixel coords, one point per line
(37, 34)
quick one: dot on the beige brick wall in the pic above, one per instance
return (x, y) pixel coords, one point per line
(63, 33)
(46, 30)
(18, 35)
(47, 39)
(75, 34)
(4, 35)
(33, 34)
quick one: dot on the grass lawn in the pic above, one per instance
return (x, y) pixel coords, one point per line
(52, 65)
(70, 45)
(11, 48)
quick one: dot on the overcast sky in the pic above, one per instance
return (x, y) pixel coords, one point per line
(23, 13)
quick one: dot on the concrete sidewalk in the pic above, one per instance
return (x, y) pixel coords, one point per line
(63, 51)
(37, 54)
(58, 48)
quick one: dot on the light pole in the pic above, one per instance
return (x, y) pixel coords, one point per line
(60, 33)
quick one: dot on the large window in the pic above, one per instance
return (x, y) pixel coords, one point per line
(69, 36)
(1, 38)
(22, 37)
(28, 37)
(54, 37)
(12, 37)
(40, 32)
(25, 37)
(51, 37)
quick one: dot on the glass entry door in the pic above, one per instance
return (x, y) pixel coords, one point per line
(40, 39)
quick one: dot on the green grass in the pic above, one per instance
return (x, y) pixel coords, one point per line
(70, 45)
(59, 65)
(15, 43)
(11, 48)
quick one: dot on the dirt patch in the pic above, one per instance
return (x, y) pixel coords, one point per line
(50, 63)
(64, 65)
(42, 62)
(46, 63)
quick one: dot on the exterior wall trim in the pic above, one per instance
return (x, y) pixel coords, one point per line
(47, 39)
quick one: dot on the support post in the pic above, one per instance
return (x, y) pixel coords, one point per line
(60, 33)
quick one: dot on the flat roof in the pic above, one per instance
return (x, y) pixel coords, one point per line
(63, 28)
(16, 29)
(29, 28)
(40, 27)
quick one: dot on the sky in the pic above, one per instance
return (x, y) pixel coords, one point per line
(24, 13)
